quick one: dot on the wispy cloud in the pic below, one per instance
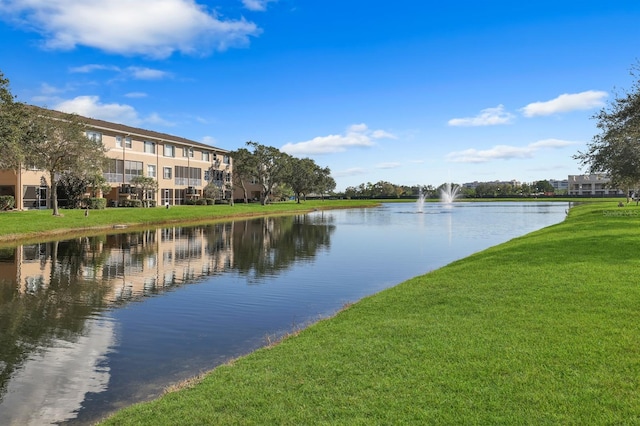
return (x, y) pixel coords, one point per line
(354, 171)
(487, 117)
(357, 135)
(257, 5)
(565, 103)
(153, 28)
(135, 95)
(505, 152)
(133, 72)
(90, 106)
(89, 68)
(388, 165)
(144, 73)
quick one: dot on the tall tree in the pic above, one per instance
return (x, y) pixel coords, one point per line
(12, 124)
(616, 149)
(324, 182)
(57, 143)
(270, 168)
(303, 176)
(243, 168)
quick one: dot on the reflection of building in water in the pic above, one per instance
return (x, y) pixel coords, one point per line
(54, 346)
(135, 264)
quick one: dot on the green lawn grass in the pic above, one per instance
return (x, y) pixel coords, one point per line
(540, 330)
(36, 224)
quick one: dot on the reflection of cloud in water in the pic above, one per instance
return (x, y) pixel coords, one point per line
(53, 382)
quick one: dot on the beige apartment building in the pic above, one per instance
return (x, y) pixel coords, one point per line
(181, 167)
(592, 185)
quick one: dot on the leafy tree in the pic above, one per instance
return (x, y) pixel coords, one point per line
(543, 186)
(269, 166)
(616, 149)
(57, 143)
(72, 187)
(303, 176)
(243, 167)
(13, 117)
(324, 182)
(145, 185)
(212, 191)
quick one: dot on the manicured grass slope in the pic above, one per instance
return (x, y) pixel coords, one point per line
(543, 329)
(20, 225)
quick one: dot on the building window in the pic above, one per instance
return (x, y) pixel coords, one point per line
(187, 152)
(166, 172)
(188, 176)
(205, 156)
(151, 170)
(169, 151)
(132, 168)
(94, 136)
(226, 159)
(149, 147)
(118, 141)
(127, 143)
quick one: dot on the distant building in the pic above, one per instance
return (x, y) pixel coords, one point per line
(559, 185)
(595, 185)
(474, 184)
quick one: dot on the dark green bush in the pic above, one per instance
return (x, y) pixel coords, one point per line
(95, 203)
(130, 203)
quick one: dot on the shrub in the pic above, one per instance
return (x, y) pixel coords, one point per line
(210, 201)
(95, 203)
(130, 203)
(7, 202)
(201, 202)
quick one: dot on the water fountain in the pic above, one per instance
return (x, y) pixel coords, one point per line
(420, 202)
(449, 193)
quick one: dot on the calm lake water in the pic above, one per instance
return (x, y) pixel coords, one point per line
(94, 324)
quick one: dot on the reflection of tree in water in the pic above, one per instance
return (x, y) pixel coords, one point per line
(72, 280)
(53, 307)
(268, 245)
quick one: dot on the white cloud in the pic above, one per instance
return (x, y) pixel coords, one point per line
(90, 106)
(141, 73)
(565, 103)
(505, 152)
(135, 95)
(88, 68)
(388, 165)
(354, 171)
(47, 89)
(357, 135)
(154, 28)
(257, 5)
(487, 117)
(551, 143)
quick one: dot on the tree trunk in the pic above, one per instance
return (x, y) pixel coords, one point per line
(54, 193)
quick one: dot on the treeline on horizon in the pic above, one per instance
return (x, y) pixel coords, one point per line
(384, 189)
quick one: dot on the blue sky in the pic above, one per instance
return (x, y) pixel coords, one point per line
(410, 92)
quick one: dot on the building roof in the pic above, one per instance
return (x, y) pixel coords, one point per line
(129, 130)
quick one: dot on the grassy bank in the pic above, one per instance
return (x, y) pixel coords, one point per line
(540, 330)
(35, 224)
